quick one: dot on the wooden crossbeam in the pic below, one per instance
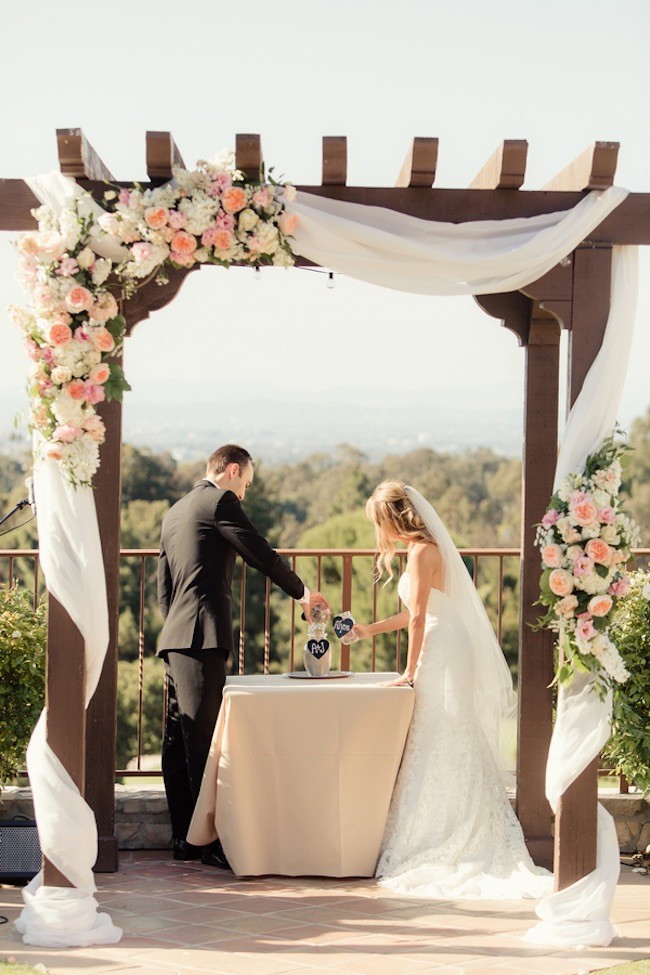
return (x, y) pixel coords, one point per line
(78, 158)
(335, 160)
(162, 154)
(248, 155)
(419, 166)
(505, 169)
(593, 169)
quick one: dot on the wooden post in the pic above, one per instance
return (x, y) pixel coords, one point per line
(536, 649)
(575, 824)
(346, 603)
(102, 710)
(66, 714)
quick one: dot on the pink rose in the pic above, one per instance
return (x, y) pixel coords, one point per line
(67, 267)
(208, 237)
(583, 566)
(156, 217)
(222, 181)
(287, 223)
(560, 582)
(552, 556)
(576, 497)
(550, 518)
(99, 374)
(183, 260)
(585, 512)
(124, 197)
(620, 588)
(59, 334)
(176, 219)
(599, 551)
(94, 394)
(607, 515)
(600, 605)
(66, 433)
(76, 389)
(585, 629)
(94, 425)
(80, 334)
(263, 198)
(225, 221)
(78, 299)
(142, 252)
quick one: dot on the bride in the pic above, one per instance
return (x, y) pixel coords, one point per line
(451, 832)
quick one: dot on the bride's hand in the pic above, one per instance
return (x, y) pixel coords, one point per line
(361, 631)
(404, 680)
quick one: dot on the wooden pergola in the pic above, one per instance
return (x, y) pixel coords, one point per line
(575, 295)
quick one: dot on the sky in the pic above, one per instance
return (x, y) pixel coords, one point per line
(561, 75)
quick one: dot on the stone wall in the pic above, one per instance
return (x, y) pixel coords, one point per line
(142, 821)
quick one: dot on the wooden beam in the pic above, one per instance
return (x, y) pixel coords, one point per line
(629, 223)
(419, 166)
(78, 158)
(505, 169)
(593, 169)
(335, 160)
(248, 155)
(512, 308)
(162, 154)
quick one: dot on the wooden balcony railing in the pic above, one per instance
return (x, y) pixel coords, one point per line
(345, 576)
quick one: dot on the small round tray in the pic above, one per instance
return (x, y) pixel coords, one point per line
(303, 675)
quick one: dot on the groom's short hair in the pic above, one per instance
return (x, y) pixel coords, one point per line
(230, 453)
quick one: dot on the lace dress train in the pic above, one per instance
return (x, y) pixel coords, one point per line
(451, 832)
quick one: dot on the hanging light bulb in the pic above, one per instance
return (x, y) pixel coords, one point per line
(330, 280)
(258, 273)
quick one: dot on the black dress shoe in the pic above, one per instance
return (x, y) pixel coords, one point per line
(213, 856)
(186, 851)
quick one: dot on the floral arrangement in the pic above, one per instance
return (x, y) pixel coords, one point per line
(72, 322)
(585, 541)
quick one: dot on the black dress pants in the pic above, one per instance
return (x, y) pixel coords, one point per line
(196, 681)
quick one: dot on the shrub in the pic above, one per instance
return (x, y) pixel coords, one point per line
(23, 633)
(629, 747)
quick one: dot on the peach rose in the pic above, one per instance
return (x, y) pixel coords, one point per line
(233, 199)
(600, 605)
(28, 245)
(183, 243)
(59, 333)
(99, 374)
(76, 389)
(51, 244)
(552, 556)
(222, 240)
(78, 299)
(585, 512)
(54, 453)
(156, 217)
(599, 551)
(288, 223)
(94, 425)
(102, 339)
(560, 582)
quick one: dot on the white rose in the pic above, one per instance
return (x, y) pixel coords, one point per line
(609, 534)
(201, 255)
(289, 193)
(60, 375)
(248, 219)
(86, 258)
(109, 223)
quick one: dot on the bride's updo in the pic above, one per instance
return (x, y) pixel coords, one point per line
(390, 509)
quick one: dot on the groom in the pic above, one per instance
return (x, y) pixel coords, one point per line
(202, 534)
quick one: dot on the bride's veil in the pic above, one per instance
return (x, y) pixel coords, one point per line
(494, 695)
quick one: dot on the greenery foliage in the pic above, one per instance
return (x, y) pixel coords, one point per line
(22, 674)
(629, 747)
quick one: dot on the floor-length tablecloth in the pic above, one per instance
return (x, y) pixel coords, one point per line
(300, 773)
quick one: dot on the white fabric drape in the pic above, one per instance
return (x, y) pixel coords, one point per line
(370, 243)
(579, 915)
(428, 257)
(71, 559)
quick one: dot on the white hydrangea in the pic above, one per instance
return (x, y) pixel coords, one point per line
(68, 410)
(593, 584)
(81, 459)
(591, 531)
(199, 213)
(70, 228)
(101, 270)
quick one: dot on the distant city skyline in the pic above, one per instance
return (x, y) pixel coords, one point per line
(468, 74)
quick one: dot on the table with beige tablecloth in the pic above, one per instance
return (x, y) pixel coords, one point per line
(301, 772)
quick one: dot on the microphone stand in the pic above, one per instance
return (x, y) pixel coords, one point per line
(19, 507)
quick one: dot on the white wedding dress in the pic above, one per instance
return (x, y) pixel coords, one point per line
(451, 832)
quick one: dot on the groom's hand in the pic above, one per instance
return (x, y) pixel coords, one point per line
(315, 598)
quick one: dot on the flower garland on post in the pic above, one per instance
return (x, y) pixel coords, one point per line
(72, 324)
(585, 540)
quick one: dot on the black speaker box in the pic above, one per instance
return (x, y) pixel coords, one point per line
(20, 850)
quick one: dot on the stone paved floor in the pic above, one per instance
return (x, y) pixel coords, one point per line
(182, 919)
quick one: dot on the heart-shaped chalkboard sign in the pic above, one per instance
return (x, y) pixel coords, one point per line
(342, 625)
(318, 648)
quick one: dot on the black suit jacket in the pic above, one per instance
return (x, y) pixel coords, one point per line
(200, 539)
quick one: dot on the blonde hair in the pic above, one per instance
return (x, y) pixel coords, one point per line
(390, 509)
